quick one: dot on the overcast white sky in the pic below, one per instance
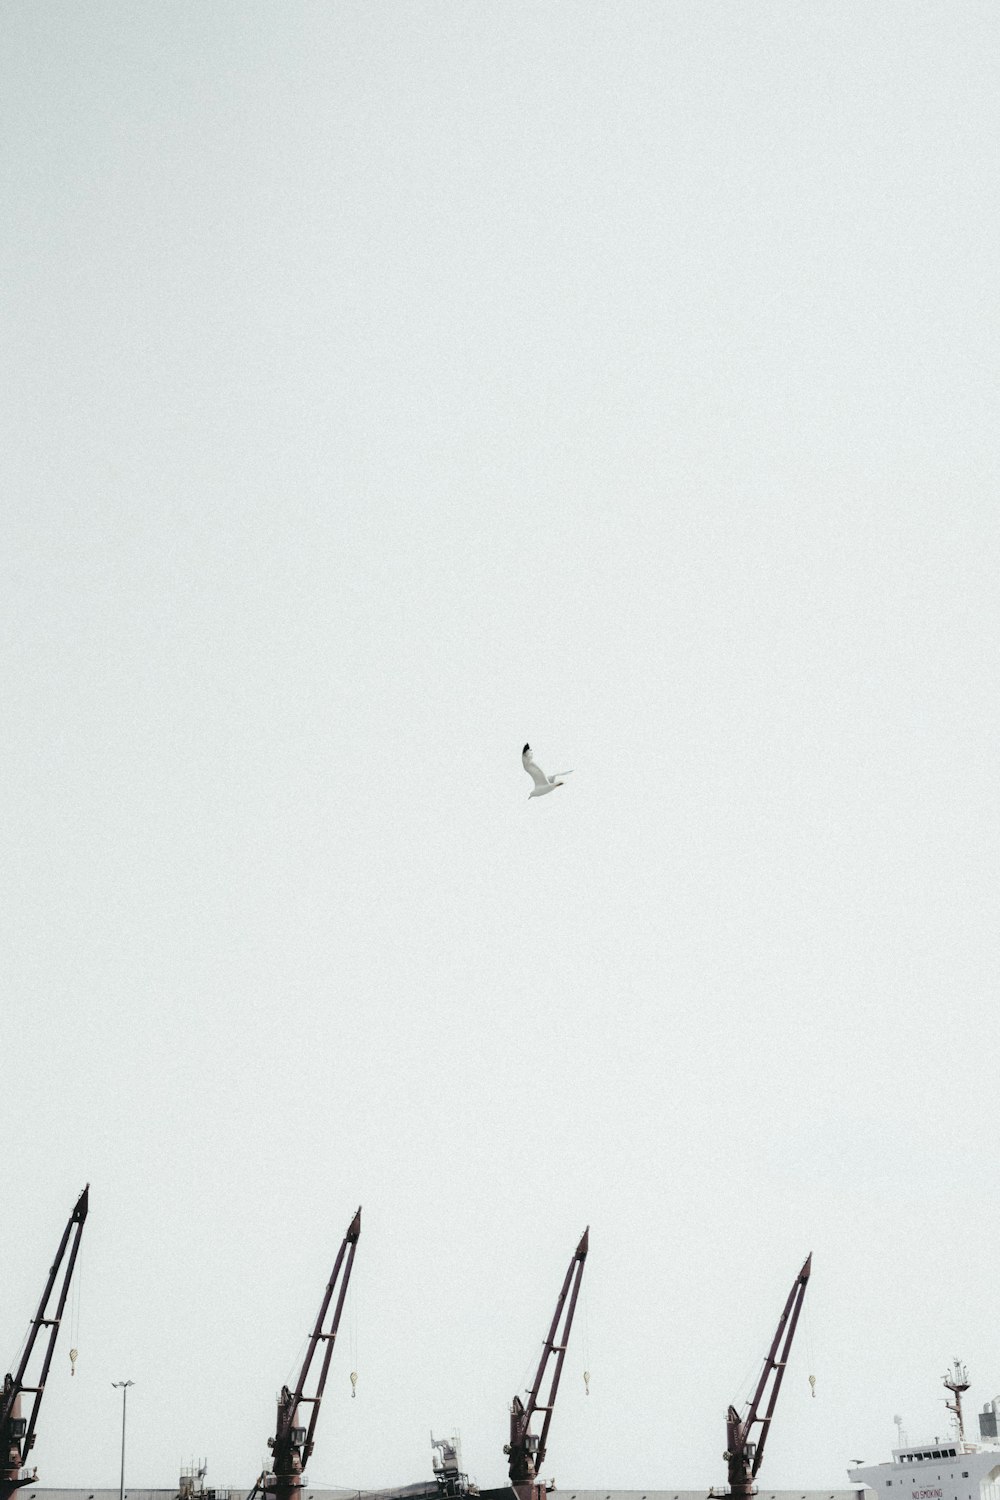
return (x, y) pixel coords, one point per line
(385, 386)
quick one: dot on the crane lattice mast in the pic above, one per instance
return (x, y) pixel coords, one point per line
(294, 1438)
(526, 1449)
(17, 1430)
(742, 1456)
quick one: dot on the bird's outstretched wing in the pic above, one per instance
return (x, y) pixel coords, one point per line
(537, 775)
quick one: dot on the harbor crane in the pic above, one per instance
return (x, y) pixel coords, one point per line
(742, 1456)
(526, 1449)
(294, 1435)
(17, 1429)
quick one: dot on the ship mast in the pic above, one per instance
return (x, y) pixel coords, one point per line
(956, 1380)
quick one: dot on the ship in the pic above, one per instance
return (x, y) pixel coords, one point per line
(941, 1468)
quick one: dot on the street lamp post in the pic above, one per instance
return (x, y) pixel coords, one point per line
(122, 1385)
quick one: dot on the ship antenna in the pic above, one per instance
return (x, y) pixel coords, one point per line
(956, 1380)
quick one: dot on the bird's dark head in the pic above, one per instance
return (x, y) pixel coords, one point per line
(526, 749)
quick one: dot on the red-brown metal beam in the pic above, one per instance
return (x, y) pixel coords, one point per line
(293, 1440)
(526, 1450)
(743, 1458)
(17, 1432)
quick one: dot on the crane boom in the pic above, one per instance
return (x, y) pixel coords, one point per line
(294, 1440)
(526, 1449)
(17, 1431)
(742, 1456)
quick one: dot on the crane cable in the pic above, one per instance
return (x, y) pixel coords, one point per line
(296, 1366)
(74, 1310)
(353, 1336)
(586, 1338)
(810, 1355)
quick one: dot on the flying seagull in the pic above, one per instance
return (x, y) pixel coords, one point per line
(542, 782)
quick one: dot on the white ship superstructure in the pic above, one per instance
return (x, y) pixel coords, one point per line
(948, 1468)
(935, 1470)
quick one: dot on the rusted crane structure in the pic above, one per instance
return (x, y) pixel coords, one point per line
(295, 1430)
(526, 1449)
(743, 1453)
(22, 1399)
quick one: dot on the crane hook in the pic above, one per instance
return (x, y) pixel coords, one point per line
(354, 1384)
(812, 1382)
(586, 1381)
(72, 1361)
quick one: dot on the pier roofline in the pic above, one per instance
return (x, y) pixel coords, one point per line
(504, 1492)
